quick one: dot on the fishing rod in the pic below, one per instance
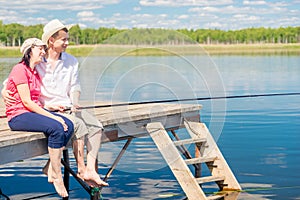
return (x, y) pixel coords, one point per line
(189, 99)
(182, 100)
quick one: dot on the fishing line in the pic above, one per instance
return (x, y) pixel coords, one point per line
(182, 100)
(189, 99)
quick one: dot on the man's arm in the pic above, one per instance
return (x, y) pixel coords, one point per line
(75, 88)
(75, 95)
(7, 95)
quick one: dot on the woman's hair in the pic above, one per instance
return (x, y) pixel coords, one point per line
(26, 57)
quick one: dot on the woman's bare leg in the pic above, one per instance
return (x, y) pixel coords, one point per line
(56, 175)
(47, 169)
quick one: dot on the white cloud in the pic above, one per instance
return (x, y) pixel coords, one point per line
(240, 16)
(147, 20)
(254, 2)
(211, 9)
(253, 18)
(222, 14)
(85, 14)
(179, 3)
(117, 14)
(183, 16)
(137, 8)
(215, 24)
(163, 15)
(234, 10)
(56, 4)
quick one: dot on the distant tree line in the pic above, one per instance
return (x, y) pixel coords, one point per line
(14, 34)
(245, 36)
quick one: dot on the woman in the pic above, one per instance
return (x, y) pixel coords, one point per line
(27, 114)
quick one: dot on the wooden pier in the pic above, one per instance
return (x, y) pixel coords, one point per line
(156, 121)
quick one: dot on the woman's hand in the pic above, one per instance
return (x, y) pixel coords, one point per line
(62, 121)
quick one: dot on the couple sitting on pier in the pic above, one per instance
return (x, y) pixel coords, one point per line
(44, 81)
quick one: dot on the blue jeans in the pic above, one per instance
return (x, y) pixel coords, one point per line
(53, 129)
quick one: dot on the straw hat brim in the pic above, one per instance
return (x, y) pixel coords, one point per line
(47, 35)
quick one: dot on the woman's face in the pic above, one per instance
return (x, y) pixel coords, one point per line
(37, 54)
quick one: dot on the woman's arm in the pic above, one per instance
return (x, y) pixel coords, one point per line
(24, 93)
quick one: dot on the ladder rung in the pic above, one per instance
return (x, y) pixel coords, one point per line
(215, 197)
(189, 141)
(200, 160)
(210, 179)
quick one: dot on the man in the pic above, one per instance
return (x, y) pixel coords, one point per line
(60, 90)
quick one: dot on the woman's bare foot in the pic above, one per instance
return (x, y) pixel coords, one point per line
(60, 187)
(47, 170)
(46, 167)
(92, 176)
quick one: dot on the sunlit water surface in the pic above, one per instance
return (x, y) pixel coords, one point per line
(259, 137)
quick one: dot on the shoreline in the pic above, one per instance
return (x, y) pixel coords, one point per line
(143, 50)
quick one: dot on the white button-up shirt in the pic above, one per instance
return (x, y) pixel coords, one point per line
(59, 83)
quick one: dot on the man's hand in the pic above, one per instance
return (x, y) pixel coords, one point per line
(7, 97)
(74, 108)
(58, 108)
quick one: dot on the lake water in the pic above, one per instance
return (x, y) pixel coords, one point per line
(259, 137)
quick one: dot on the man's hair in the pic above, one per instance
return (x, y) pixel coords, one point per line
(55, 35)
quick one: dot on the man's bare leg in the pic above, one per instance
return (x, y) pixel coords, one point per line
(78, 150)
(93, 146)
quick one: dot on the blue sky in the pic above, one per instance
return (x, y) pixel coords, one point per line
(171, 14)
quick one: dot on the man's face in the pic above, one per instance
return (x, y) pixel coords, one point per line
(61, 42)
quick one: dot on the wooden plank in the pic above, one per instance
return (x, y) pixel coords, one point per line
(23, 151)
(189, 141)
(200, 160)
(208, 179)
(10, 138)
(119, 123)
(216, 197)
(122, 114)
(175, 161)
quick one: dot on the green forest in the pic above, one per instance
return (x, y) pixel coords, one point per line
(14, 34)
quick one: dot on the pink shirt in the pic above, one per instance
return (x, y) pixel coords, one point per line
(21, 74)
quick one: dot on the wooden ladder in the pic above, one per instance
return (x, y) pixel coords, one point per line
(210, 154)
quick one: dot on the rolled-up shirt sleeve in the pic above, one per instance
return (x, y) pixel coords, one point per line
(75, 82)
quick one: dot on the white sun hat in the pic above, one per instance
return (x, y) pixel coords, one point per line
(52, 27)
(28, 43)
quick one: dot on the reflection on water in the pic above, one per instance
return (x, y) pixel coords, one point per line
(259, 136)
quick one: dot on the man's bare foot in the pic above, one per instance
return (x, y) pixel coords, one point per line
(60, 187)
(94, 177)
(47, 170)
(89, 182)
